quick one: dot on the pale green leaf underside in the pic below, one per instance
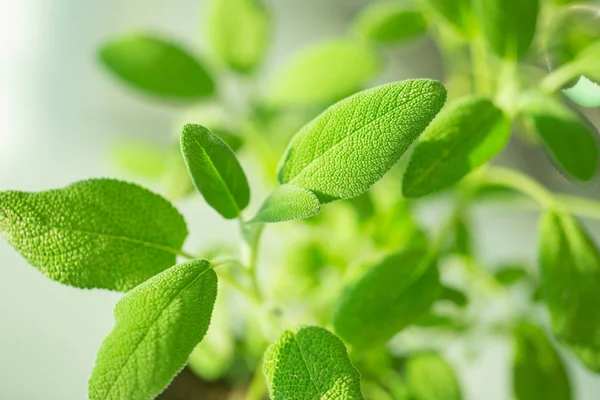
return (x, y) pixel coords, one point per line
(310, 364)
(570, 278)
(239, 32)
(463, 137)
(215, 171)
(390, 296)
(288, 203)
(430, 377)
(390, 23)
(157, 325)
(350, 146)
(321, 73)
(99, 233)
(157, 67)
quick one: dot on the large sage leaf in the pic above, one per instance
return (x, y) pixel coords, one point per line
(430, 377)
(99, 233)
(350, 146)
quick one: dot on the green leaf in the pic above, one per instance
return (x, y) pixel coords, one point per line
(430, 377)
(288, 203)
(390, 23)
(99, 233)
(509, 25)
(570, 278)
(585, 93)
(463, 137)
(215, 171)
(454, 295)
(390, 296)
(350, 146)
(157, 67)
(157, 325)
(320, 74)
(239, 31)
(587, 61)
(569, 138)
(508, 275)
(140, 158)
(458, 13)
(538, 371)
(310, 364)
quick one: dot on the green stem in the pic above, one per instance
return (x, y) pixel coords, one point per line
(481, 77)
(522, 183)
(186, 255)
(252, 234)
(554, 81)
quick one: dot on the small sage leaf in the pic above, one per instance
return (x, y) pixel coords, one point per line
(350, 146)
(157, 67)
(215, 171)
(239, 31)
(288, 203)
(458, 13)
(430, 377)
(310, 364)
(570, 139)
(100, 233)
(390, 23)
(570, 277)
(509, 275)
(157, 325)
(390, 296)
(463, 137)
(538, 371)
(509, 25)
(320, 75)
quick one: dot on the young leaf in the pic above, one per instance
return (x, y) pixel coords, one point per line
(157, 67)
(239, 32)
(430, 377)
(567, 136)
(538, 371)
(458, 13)
(509, 25)
(390, 23)
(288, 203)
(570, 277)
(215, 171)
(320, 74)
(390, 296)
(463, 137)
(157, 325)
(310, 364)
(99, 233)
(350, 146)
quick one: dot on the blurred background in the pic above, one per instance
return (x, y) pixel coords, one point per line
(60, 114)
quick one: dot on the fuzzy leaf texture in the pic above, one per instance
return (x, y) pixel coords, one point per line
(288, 203)
(570, 278)
(390, 23)
(538, 371)
(215, 171)
(508, 25)
(319, 74)
(350, 146)
(457, 13)
(310, 364)
(99, 233)
(430, 377)
(567, 136)
(156, 66)
(239, 32)
(464, 136)
(157, 325)
(389, 297)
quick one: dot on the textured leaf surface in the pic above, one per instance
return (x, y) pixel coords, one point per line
(99, 233)
(239, 31)
(287, 203)
(458, 13)
(538, 371)
(320, 73)
(567, 136)
(157, 325)
(509, 25)
(570, 278)
(215, 171)
(310, 364)
(390, 23)
(157, 67)
(430, 377)
(389, 297)
(350, 146)
(463, 137)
